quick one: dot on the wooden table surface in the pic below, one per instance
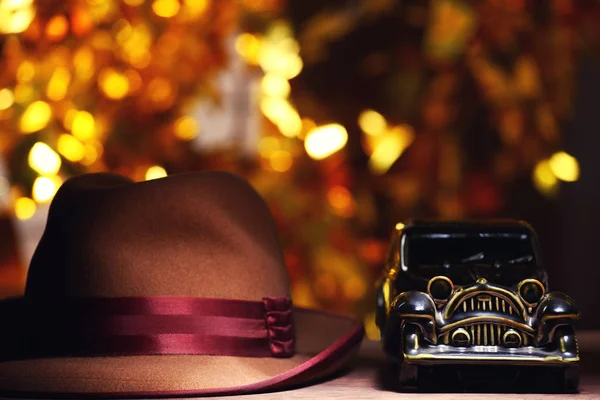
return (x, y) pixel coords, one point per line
(367, 381)
(372, 377)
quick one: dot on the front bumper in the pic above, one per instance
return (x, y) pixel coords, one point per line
(443, 354)
(419, 352)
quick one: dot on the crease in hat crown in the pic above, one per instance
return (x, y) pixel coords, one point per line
(203, 234)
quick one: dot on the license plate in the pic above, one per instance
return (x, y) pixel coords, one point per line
(485, 349)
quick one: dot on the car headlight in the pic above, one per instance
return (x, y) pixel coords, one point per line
(531, 291)
(440, 288)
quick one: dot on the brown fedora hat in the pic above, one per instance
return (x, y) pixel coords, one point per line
(170, 287)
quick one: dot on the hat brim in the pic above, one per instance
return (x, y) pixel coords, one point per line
(324, 342)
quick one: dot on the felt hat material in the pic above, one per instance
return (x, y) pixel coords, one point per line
(204, 234)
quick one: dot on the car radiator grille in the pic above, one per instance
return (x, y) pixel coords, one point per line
(487, 334)
(490, 334)
(487, 302)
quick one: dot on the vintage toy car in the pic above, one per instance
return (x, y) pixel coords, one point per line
(473, 293)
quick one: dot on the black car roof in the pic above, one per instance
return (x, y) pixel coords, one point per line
(487, 226)
(407, 280)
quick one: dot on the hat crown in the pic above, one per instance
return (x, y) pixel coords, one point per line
(203, 234)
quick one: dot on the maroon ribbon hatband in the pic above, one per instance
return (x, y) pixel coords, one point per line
(146, 326)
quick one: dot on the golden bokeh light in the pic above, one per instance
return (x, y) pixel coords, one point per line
(81, 20)
(168, 44)
(23, 93)
(68, 118)
(267, 145)
(371, 329)
(323, 141)
(273, 107)
(275, 86)
(83, 60)
(15, 15)
(35, 117)
(83, 126)
(194, 8)
(354, 288)
(24, 208)
(564, 166)
(390, 148)
(288, 65)
(102, 9)
(123, 30)
(135, 41)
(79, 74)
(26, 71)
(166, 8)
(371, 122)
(91, 154)
(248, 46)
(114, 84)
(544, 179)
(155, 172)
(43, 160)
(58, 84)
(98, 146)
(341, 201)
(160, 90)
(291, 66)
(291, 125)
(288, 45)
(70, 148)
(400, 226)
(281, 113)
(372, 251)
(278, 52)
(308, 125)
(279, 31)
(135, 80)
(7, 98)
(527, 77)
(186, 128)
(281, 160)
(101, 40)
(57, 27)
(44, 189)
(302, 289)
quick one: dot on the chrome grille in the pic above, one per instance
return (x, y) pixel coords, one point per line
(490, 334)
(487, 302)
(487, 334)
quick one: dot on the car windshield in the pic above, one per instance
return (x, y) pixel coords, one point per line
(503, 258)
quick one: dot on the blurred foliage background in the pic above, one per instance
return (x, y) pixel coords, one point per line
(347, 115)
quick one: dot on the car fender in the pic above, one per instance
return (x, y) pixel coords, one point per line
(556, 309)
(416, 308)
